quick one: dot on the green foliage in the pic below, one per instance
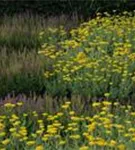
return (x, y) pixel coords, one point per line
(96, 58)
(66, 125)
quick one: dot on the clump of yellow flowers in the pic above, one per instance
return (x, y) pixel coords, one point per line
(96, 58)
(109, 125)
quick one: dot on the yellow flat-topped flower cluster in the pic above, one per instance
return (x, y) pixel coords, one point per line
(98, 57)
(109, 125)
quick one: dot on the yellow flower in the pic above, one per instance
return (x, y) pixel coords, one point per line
(121, 147)
(50, 118)
(17, 123)
(131, 129)
(96, 104)
(112, 143)
(127, 135)
(1, 126)
(39, 147)
(12, 129)
(106, 103)
(6, 141)
(14, 117)
(116, 103)
(45, 139)
(81, 58)
(25, 115)
(91, 127)
(57, 124)
(65, 106)
(2, 134)
(24, 138)
(19, 103)
(2, 148)
(68, 102)
(133, 139)
(3, 117)
(39, 132)
(84, 148)
(108, 132)
(73, 118)
(132, 113)
(71, 112)
(91, 143)
(75, 129)
(40, 121)
(23, 131)
(30, 143)
(45, 114)
(34, 135)
(101, 143)
(16, 135)
(107, 94)
(62, 142)
(9, 105)
(52, 130)
(34, 113)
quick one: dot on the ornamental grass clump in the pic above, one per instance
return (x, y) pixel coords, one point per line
(96, 58)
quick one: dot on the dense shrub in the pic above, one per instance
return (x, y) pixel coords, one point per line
(57, 7)
(96, 58)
